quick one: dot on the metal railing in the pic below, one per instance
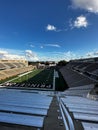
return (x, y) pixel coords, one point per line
(68, 122)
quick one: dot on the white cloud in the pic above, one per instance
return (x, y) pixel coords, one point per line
(96, 53)
(51, 28)
(9, 54)
(32, 46)
(52, 45)
(31, 56)
(41, 47)
(49, 45)
(14, 57)
(89, 5)
(80, 21)
(57, 56)
(92, 54)
(3, 52)
(5, 55)
(70, 55)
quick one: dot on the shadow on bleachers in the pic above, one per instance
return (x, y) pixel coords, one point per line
(78, 73)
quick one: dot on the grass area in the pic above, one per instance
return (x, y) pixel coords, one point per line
(22, 78)
(7, 79)
(45, 76)
(38, 76)
(42, 76)
(26, 77)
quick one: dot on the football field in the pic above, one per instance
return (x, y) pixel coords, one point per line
(38, 78)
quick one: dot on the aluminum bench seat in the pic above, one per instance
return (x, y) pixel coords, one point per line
(19, 98)
(79, 100)
(86, 110)
(19, 119)
(20, 109)
(90, 126)
(85, 106)
(87, 117)
(41, 106)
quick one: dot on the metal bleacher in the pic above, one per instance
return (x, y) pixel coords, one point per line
(79, 109)
(89, 69)
(20, 107)
(8, 70)
(2, 66)
(74, 78)
(73, 109)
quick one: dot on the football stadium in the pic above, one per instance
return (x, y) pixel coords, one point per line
(48, 64)
(63, 97)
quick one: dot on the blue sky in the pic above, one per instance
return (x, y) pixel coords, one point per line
(48, 29)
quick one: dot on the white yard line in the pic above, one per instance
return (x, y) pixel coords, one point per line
(19, 76)
(54, 80)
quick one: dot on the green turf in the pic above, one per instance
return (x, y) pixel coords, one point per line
(38, 76)
(42, 76)
(27, 76)
(5, 80)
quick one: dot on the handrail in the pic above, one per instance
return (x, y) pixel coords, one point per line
(69, 125)
(64, 119)
(70, 121)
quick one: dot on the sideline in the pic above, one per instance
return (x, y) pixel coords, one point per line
(19, 76)
(56, 75)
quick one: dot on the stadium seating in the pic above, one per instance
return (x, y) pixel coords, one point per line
(2, 76)
(21, 109)
(78, 109)
(12, 69)
(9, 65)
(74, 78)
(2, 66)
(80, 72)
